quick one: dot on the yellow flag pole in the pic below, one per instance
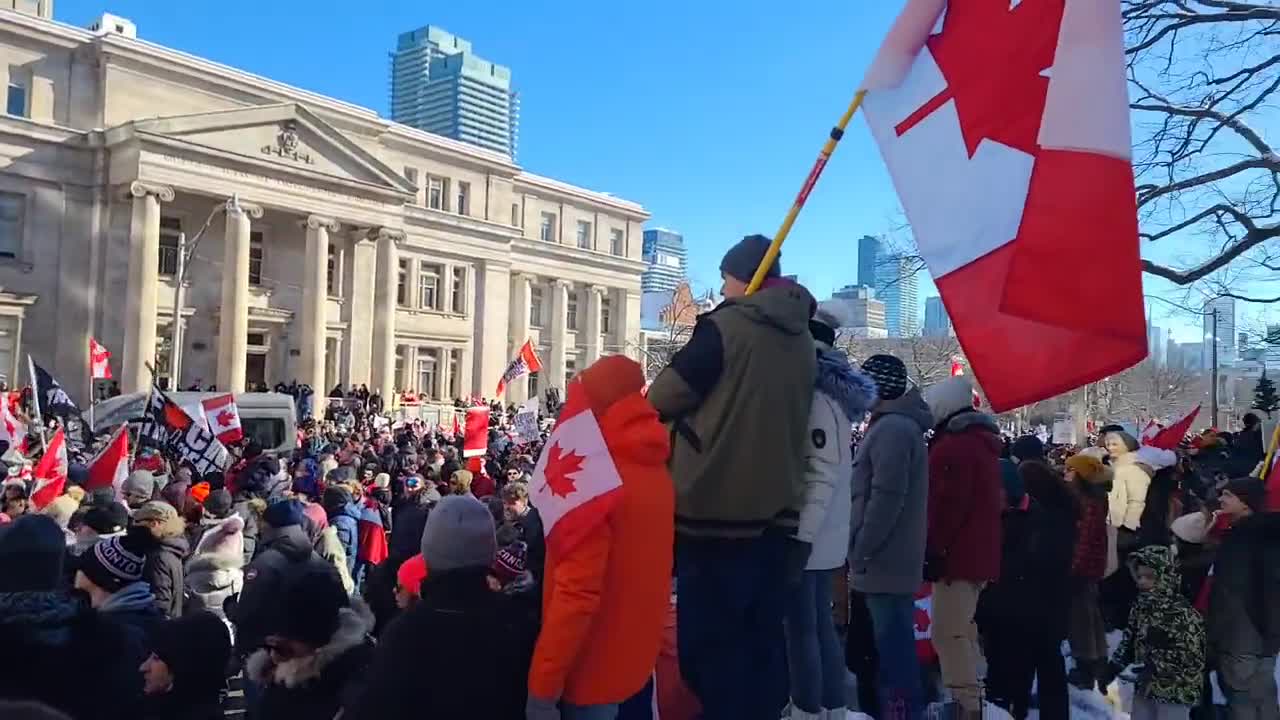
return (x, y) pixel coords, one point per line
(775, 247)
(1271, 453)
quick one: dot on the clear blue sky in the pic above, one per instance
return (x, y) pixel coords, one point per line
(710, 114)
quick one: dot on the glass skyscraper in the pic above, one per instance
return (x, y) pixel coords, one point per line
(668, 260)
(439, 85)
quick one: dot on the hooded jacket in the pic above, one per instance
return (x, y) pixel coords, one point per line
(344, 517)
(1128, 496)
(891, 498)
(282, 547)
(966, 497)
(1244, 600)
(215, 571)
(48, 634)
(842, 396)
(605, 598)
(1165, 636)
(744, 380)
(164, 573)
(134, 607)
(321, 683)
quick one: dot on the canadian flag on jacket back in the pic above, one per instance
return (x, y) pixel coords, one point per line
(1005, 126)
(575, 481)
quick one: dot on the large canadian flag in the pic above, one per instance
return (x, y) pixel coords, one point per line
(51, 472)
(575, 483)
(111, 467)
(223, 417)
(476, 441)
(1005, 127)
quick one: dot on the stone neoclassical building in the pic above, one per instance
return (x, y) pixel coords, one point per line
(330, 245)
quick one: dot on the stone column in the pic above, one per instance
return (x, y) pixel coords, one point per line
(144, 284)
(384, 316)
(559, 334)
(518, 391)
(442, 372)
(314, 296)
(628, 319)
(360, 307)
(233, 324)
(594, 348)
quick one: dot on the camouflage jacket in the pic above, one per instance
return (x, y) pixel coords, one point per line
(1165, 636)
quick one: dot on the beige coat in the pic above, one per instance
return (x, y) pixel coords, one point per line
(1128, 494)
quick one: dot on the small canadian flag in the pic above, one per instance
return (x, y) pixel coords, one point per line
(51, 472)
(99, 361)
(111, 467)
(224, 418)
(575, 482)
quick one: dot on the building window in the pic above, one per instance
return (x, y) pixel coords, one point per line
(533, 385)
(402, 289)
(617, 242)
(428, 286)
(571, 313)
(584, 234)
(435, 193)
(16, 100)
(8, 348)
(401, 380)
(535, 307)
(333, 272)
(515, 215)
(464, 198)
(548, 231)
(428, 371)
(12, 215)
(458, 293)
(570, 369)
(256, 258)
(606, 315)
(455, 373)
(170, 229)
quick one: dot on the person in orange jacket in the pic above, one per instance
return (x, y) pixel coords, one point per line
(608, 568)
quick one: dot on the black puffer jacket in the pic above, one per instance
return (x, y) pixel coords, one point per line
(263, 578)
(164, 573)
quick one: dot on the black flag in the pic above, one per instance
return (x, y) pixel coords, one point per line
(56, 402)
(167, 426)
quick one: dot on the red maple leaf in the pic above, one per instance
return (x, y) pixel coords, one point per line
(226, 418)
(560, 465)
(993, 56)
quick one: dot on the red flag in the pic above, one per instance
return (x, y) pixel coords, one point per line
(51, 472)
(99, 361)
(1005, 127)
(457, 428)
(224, 418)
(477, 438)
(575, 482)
(1172, 436)
(12, 430)
(526, 361)
(111, 466)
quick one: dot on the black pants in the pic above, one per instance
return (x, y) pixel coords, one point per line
(860, 654)
(1017, 656)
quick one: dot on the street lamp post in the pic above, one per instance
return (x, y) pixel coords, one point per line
(1213, 391)
(185, 255)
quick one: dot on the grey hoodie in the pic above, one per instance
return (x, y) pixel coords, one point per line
(891, 499)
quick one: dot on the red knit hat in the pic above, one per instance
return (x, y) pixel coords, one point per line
(411, 574)
(510, 562)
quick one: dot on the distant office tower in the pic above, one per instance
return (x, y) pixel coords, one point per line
(1225, 308)
(1157, 345)
(865, 314)
(667, 258)
(439, 85)
(870, 249)
(937, 323)
(899, 289)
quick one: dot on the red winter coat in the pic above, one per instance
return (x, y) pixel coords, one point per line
(1089, 560)
(966, 498)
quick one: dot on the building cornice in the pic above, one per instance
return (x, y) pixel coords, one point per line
(576, 257)
(544, 186)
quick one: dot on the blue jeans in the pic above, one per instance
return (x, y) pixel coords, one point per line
(814, 655)
(588, 712)
(729, 619)
(893, 618)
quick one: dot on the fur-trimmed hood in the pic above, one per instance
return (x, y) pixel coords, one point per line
(354, 625)
(853, 391)
(220, 548)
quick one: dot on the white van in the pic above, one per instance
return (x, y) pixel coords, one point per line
(269, 418)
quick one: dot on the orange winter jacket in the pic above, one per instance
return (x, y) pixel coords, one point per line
(605, 600)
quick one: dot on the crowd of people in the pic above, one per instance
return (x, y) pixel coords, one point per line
(379, 572)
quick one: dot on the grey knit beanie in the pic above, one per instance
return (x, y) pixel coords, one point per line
(459, 534)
